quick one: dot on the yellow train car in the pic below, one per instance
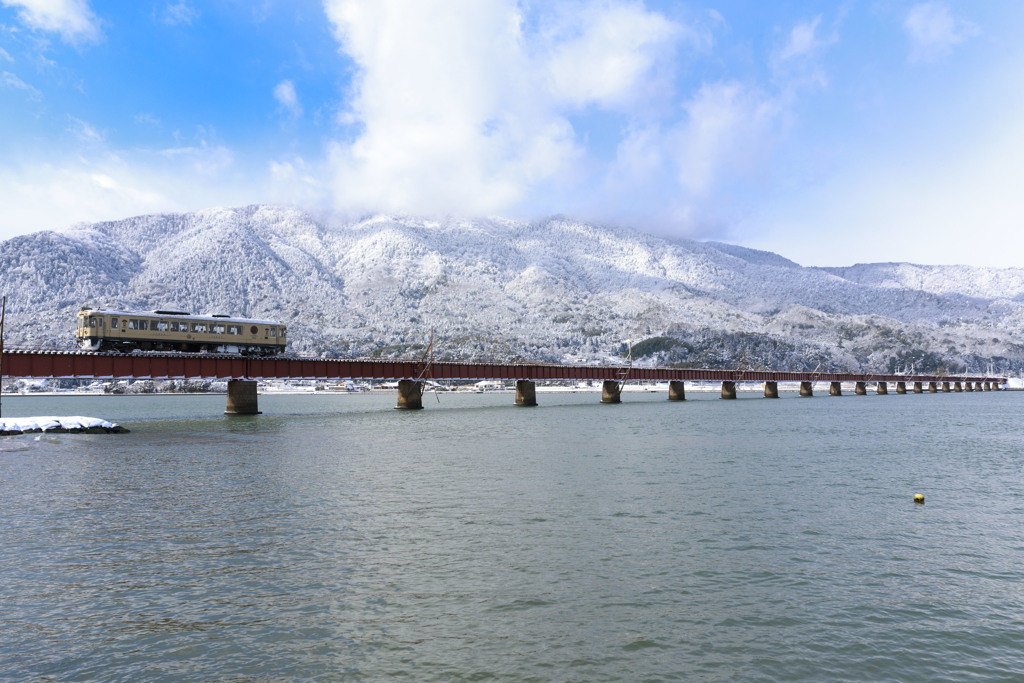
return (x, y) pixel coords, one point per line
(105, 330)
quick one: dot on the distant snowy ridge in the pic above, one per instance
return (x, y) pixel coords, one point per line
(554, 290)
(985, 283)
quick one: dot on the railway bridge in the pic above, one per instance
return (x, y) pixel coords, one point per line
(241, 374)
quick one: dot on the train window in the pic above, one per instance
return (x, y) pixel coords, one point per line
(217, 329)
(100, 322)
(273, 331)
(161, 326)
(92, 322)
(113, 322)
(283, 331)
(199, 327)
(181, 327)
(234, 329)
(143, 324)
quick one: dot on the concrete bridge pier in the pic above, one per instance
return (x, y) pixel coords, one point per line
(945, 387)
(918, 388)
(771, 389)
(806, 389)
(676, 391)
(977, 386)
(611, 391)
(526, 393)
(969, 386)
(410, 395)
(958, 387)
(988, 386)
(901, 387)
(728, 389)
(933, 387)
(242, 398)
(835, 389)
(861, 388)
(882, 388)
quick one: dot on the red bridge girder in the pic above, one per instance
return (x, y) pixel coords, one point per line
(85, 365)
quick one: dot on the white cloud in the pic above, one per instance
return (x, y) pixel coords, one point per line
(458, 107)
(640, 183)
(284, 93)
(88, 180)
(934, 31)
(797, 62)
(688, 176)
(96, 183)
(602, 54)
(728, 132)
(85, 132)
(202, 155)
(950, 195)
(72, 19)
(9, 80)
(147, 118)
(75, 192)
(931, 211)
(180, 13)
(294, 181)
(802, 40)
(205, 160)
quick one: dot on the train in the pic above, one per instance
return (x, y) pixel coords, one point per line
(127, 331)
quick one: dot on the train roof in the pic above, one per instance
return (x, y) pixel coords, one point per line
(178, 314)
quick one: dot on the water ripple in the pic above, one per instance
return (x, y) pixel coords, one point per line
(750, 540)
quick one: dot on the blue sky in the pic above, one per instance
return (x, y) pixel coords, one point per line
(829, 132)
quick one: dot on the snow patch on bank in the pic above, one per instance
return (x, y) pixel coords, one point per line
(51, 423)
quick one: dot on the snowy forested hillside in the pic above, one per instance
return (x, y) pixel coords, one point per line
(554, 290)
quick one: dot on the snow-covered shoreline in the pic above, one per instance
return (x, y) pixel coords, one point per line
(58, 424)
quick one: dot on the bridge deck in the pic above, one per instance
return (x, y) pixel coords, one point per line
(42, 363)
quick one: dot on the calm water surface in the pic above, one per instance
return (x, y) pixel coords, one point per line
(334, 538)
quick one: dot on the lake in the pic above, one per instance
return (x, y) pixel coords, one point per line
(335, 538)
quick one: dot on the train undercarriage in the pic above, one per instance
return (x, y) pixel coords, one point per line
(87, 344)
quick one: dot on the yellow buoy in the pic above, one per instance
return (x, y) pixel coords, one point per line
(918, 497)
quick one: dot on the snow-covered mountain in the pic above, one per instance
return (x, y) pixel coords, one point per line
(552, 290)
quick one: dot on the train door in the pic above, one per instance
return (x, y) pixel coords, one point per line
(90, 331)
